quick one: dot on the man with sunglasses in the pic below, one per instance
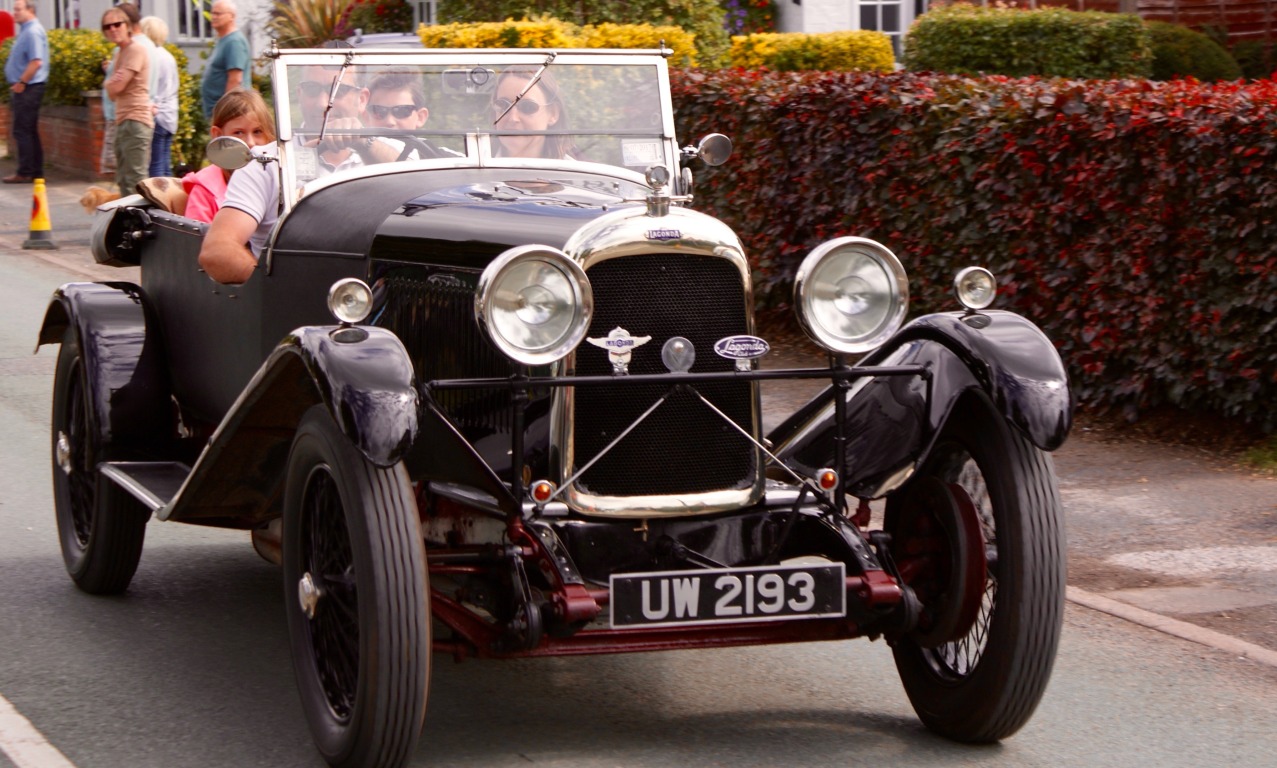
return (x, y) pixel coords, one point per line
(394, 100)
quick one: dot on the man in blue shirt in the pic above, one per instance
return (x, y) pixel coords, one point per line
(228, 65)
(27, 69)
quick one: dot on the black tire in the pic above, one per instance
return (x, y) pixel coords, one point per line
(101, 538)
(985, 685)
(362, 657)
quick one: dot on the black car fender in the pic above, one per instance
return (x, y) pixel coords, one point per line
(893, 420)
(124, 367)
(362, 375)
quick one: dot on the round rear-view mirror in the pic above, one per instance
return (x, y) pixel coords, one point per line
(714, 149)
(228, 153)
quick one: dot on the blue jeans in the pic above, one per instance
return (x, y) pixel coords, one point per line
(26, 130)
(161, 145)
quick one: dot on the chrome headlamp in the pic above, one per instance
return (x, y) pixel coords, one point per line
(975, 287)
(350, 300)
(851, 294)
(534, 303)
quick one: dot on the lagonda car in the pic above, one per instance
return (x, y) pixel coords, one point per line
(475, 404)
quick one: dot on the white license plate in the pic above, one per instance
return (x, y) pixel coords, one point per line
(728, 595)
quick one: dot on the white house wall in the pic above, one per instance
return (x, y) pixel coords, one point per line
(813, 16)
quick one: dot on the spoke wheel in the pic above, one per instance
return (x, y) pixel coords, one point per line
(101, 538)
(983, 684)
(357, 600)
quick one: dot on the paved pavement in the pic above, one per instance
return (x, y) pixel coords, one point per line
(1164, 537)
(69, 222)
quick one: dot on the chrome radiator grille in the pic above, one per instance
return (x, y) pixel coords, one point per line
(682, 447)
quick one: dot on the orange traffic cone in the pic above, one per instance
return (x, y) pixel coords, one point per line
(41, 237)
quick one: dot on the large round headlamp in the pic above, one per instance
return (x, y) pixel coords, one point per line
(535, 304)
(851, 294)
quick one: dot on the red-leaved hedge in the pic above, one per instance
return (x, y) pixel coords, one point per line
(1135, 221)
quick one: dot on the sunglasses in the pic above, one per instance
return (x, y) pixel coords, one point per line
(400, 111)
(312, 90)
(525, 106)
(113, 25)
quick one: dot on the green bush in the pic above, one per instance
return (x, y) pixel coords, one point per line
(829, 52)
(701, 18)
(1050, 42)
(75, 65)
(1257, 58)
(1182, 52)
(190, 137)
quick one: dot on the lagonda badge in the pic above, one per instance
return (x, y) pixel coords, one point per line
(619, 344)
(663, 235)
(742, 349)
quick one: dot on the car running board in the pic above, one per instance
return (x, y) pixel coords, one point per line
(154, 483)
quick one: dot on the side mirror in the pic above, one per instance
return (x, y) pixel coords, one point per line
(228, 153)
(714, 149)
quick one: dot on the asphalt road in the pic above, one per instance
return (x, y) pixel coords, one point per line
(191, 668)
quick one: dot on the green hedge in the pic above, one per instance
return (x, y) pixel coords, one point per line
(1135, 221)
(1050, 42)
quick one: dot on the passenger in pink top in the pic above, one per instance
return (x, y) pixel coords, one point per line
(244, 115)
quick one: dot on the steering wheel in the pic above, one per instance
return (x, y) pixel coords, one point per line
(410, 143)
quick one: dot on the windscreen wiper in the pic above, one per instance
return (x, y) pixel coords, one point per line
(535, 78)
(332, 93)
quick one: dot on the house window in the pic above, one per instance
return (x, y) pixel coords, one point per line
(193, 21)
(887, 16)
(66, 14)
(426, 11)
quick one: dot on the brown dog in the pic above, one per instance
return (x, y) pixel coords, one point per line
(95, 196)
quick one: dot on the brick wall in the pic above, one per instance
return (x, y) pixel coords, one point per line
(72, 137)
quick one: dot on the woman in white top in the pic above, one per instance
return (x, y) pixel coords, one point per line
(164, 85)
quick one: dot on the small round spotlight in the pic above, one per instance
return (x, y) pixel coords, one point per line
(350, 300)
(827, 479)
(975, 287)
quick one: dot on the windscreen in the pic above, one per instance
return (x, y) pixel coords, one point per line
(349, 113)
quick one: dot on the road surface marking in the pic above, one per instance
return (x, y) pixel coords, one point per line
(23, 744)
(1200, 562)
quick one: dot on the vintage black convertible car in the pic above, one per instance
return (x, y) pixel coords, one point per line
(498, 406)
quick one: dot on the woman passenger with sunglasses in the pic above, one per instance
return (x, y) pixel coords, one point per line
(538, 112)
